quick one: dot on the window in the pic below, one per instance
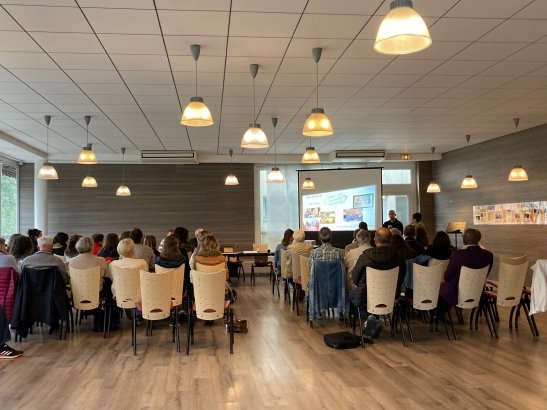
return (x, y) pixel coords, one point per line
(8, 199)
(396, 176)
(400, 204)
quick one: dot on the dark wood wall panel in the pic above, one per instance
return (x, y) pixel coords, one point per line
(26, 197)
(427, 207)
(163, 197)
(490, 163)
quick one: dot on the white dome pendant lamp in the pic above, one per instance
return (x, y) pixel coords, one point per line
(254, 137)
(47, 171)
(275, 176)
(87, 156)
(231, 179)
(196, 113)
(468, 182)
(403, 30)
(123, 190)
(433, 187)
(517, 174)
(317, 124)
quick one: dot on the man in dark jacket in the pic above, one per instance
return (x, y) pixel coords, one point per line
(383, 257)
(393, 222)
(472, 256)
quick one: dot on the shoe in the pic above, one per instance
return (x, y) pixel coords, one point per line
(377, 331)
(7, 352)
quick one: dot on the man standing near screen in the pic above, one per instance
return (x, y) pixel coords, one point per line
(393, 222)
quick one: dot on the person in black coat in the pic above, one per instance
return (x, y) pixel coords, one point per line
(393, 222)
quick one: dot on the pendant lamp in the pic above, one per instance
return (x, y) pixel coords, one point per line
(308, 183)
(517, 174)
(468, 182)
(275, 176)
(254, 137)
(317, 124)
(403, 30)
(87, 156)
(196, 113)
(47, 171)
(231, 179)
(123, 190)
(89, 182)
(310, 156)
(433, 187)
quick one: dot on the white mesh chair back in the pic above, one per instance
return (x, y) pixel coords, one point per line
(156, 294)
(61, 257)
(127, 286)
(85, 285)
(283, 263)
(295, 264)
(304, 271)
(427, 282)
(209, 294)
(470, 286)
(260, 247)
(443, 263)
(512, 273)
(178, 283)
(381, 286)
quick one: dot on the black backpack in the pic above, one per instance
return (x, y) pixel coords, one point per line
(342, 340)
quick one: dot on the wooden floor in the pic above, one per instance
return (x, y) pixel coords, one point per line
(280, 364)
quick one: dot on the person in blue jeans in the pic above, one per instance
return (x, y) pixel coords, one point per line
(6, 352)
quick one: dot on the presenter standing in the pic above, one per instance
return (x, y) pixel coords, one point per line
(393, 222)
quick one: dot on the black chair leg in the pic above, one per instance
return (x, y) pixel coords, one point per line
(451, 324)
(134, 326)
(231, 319)
(511, 318)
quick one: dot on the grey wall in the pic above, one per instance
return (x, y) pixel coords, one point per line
(163, 196)
(490, 163)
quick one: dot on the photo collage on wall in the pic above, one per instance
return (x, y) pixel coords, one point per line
(519, 213)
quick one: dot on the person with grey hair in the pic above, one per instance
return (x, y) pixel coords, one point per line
(326, 252)
(86, 259)
(297, 247)
(44, 258)
(362, 239)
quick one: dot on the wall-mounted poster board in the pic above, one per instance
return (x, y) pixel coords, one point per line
(519, 213)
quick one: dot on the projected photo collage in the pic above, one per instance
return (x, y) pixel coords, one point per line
(339, 210)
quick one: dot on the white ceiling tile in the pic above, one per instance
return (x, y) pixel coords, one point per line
(243, 24)
(29, 75)
(17, 41)
(26, 60)
(417, 92)
(512, 68)
(147, 77)
(360, 66)
(210, 46)
(467, 29)
(194, 23)
(486, 8)
(517, 31)
(189, 78)
(123, 21)
(440, 81)
(56, 88)
(329, 26)
(278, 6)
(345, 7)
(534, 52)
(50, 19)
(486, 81)
(302, 47)
(489, 51)
(396, 80)
(68, 42)
(257, 47)
(122, 4)
(7, 22)
(110, 89)
(221, 5)
(22, 98)
(462, 67)
(355, 80)
(78, 61)
(94, 76)
(132, 44)
(401, 66)
(140, 62)
(534, 10)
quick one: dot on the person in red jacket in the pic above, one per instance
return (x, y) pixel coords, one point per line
(98, 239)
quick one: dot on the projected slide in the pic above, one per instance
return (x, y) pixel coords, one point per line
(339, 210)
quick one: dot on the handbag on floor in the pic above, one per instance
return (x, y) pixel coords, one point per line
(342, 340)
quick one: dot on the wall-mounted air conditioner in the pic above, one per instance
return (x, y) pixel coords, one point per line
(169, 157)
(357, 156)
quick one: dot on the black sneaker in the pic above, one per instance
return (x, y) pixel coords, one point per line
(7, 352)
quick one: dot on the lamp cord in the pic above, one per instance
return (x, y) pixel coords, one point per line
(254, 103)
(47, 142)
(317, 83)
(196, 62)
(123, 168)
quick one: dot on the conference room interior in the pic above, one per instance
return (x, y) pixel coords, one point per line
(129, 66)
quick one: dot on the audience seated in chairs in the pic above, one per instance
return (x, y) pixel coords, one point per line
(5, 259)
(45, 259)
(71, 251)
(440, 248)
(410, 239)
(20, 247)
(472, 256)
(201, 235)
(142, 251)
(326, 252)
(382, 257)
(86, 260)
(285, 242)
(60, 243)
(109, 251)
(126, 250)
(362, 242)
(6, 352)
(98, 239)
(297, 247)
